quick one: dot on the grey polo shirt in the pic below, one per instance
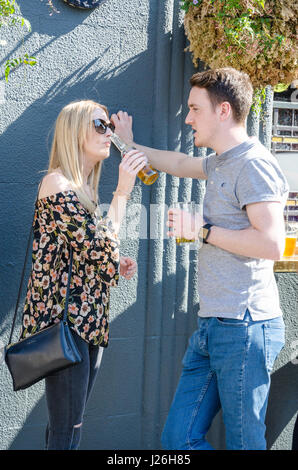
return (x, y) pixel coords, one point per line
(230, 283)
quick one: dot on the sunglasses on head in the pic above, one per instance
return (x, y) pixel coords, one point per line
(101, 126)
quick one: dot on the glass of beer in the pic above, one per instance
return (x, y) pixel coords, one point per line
(291, 238)
(191, 208)
(291, 228)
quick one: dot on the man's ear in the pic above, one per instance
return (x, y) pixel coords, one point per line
(225, 110)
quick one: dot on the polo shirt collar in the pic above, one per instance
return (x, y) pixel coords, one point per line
(238, 149)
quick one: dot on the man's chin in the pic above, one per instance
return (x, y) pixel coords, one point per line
(197, 143)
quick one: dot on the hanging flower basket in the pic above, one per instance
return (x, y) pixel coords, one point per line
(258, 37)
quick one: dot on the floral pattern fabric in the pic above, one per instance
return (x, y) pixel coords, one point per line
(61, 221)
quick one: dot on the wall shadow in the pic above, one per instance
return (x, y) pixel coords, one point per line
(45, 23)
(283, 401)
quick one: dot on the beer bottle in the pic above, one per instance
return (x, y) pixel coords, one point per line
(148, 175)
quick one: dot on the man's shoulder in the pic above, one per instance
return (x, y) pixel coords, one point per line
(257, 153)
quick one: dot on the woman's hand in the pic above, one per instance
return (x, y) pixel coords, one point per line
(123, 126)
(128, 267)
(132, 162)
(183, 224)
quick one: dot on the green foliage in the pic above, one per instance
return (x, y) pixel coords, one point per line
(258, 100)
(258, 37)
(7, 8)
(16, 62)
(241, 21)
(281, 87)
(10, 16)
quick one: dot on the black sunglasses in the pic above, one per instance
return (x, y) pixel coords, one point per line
(101, 126)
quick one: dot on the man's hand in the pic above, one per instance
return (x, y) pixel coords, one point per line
(123, 126)
(128, 267)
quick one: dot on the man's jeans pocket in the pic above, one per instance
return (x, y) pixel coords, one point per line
(274, 340)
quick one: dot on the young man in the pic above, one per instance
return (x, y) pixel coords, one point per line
(240, 326)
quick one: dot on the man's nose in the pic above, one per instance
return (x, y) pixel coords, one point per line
(188, 119)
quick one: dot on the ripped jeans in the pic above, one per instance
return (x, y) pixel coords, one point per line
(67, 392)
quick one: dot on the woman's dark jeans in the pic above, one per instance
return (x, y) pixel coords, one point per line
(67, 393)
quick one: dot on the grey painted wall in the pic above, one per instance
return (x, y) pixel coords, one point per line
(128, 54)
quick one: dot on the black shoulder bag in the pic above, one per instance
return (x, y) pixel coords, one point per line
(45, 352)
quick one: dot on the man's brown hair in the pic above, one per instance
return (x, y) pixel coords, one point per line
(227, 84)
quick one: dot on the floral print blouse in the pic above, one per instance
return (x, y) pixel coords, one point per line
(61, 221)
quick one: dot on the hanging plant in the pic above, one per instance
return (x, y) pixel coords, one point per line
(258, 37)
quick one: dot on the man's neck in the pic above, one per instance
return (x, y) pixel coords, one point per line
(231, 138)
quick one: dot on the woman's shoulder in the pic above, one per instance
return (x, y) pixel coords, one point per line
(53, 183)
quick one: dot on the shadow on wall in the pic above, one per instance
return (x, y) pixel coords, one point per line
(42, 23)
(283, 402)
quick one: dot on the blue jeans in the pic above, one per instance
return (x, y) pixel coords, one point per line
(226, 365)
(67, 392)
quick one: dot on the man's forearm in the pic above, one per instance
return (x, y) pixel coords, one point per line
(248, 242)
(174, 163)
(163, 160)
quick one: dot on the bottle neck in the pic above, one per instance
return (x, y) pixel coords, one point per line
(121, 146)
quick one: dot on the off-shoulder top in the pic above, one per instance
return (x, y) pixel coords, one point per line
(61, 221)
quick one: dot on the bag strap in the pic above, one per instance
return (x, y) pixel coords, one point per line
(23, 275)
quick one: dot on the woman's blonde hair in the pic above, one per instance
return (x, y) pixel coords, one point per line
(72, 126)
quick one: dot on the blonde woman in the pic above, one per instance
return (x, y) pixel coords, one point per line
(66, 215)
